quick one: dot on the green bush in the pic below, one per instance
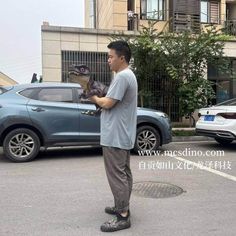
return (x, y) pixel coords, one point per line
(183, 132)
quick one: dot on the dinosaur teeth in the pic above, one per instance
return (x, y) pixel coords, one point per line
(74, 72)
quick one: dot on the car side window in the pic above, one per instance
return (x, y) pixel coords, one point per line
(55, 95)
(29, 93)
(81, 98)
(2, 90)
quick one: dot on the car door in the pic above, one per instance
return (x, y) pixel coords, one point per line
(55, 112)
(89, 126)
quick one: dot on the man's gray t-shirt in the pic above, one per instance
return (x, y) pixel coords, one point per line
(118, 124)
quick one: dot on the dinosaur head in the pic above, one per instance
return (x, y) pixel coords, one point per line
(79, 70)
(79, 74)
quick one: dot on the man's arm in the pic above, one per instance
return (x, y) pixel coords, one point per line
(103, 102)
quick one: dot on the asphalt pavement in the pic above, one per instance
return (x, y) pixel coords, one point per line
(64, 192)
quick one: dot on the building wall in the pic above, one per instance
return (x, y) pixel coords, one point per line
(104, 14)
(230, 48)
(222, 11)
(86, 13)
(5, 80)
(112, 14)
(56, 39)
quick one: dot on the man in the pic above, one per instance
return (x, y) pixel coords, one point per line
(118, 132)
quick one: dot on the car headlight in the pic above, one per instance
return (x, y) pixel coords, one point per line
(162, 114)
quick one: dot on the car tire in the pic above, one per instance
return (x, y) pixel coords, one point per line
(147, 138)
(21, 145)
(224, 141)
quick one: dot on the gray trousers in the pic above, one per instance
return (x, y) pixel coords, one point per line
(117, 166)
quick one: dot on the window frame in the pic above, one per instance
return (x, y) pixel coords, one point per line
(35, 94)
(59, 88)
(208, 16)
(160, 14)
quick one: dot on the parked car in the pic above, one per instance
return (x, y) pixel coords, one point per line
(51, 114)
(218, 121)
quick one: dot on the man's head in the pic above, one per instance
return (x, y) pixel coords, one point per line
(119, 55)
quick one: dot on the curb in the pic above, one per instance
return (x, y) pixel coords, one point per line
(185, 129)
(190, 138)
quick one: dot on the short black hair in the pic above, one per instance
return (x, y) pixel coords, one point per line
(122, 49)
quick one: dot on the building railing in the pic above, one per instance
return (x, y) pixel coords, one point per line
(230, 27)
(182, 22)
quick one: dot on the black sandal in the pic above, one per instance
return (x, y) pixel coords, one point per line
(117, 223)
(111, 210)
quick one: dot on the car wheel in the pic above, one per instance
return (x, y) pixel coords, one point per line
(223, 141)
(148, 138)
(21, 145)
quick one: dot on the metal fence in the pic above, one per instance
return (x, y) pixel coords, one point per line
(160, 91)
(230, 27)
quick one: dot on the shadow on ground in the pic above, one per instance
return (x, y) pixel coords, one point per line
(62, 153)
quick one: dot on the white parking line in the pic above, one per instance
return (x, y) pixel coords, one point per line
(202, 167)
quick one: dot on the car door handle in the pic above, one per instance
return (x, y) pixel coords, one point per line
(38, 109)
(88, 112)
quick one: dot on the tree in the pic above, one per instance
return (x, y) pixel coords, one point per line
(145, 60)
(184, 57)
(146, 56)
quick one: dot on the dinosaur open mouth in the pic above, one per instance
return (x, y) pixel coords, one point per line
(74, 73)
(79, 70)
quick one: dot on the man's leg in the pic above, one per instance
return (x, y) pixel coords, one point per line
(129, 173)
(120, 180)
(117, 165)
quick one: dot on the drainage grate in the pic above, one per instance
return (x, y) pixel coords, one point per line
(156, 190)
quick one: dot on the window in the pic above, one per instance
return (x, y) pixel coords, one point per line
(210, 12)
(222, 82)
(55, 95)
(29, 93)
(153, 9)
(2, 90)
(83, 99)
(231, 102)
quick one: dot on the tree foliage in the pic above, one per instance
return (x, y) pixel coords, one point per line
(185, 58)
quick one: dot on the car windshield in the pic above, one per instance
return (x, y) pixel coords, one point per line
(231, 102)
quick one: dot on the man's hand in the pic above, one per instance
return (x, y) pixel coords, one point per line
(93, 98)
(103, 102)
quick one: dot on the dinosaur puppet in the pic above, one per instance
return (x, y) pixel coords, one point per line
(81, 74)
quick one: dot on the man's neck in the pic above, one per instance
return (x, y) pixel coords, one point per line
(123, 67)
